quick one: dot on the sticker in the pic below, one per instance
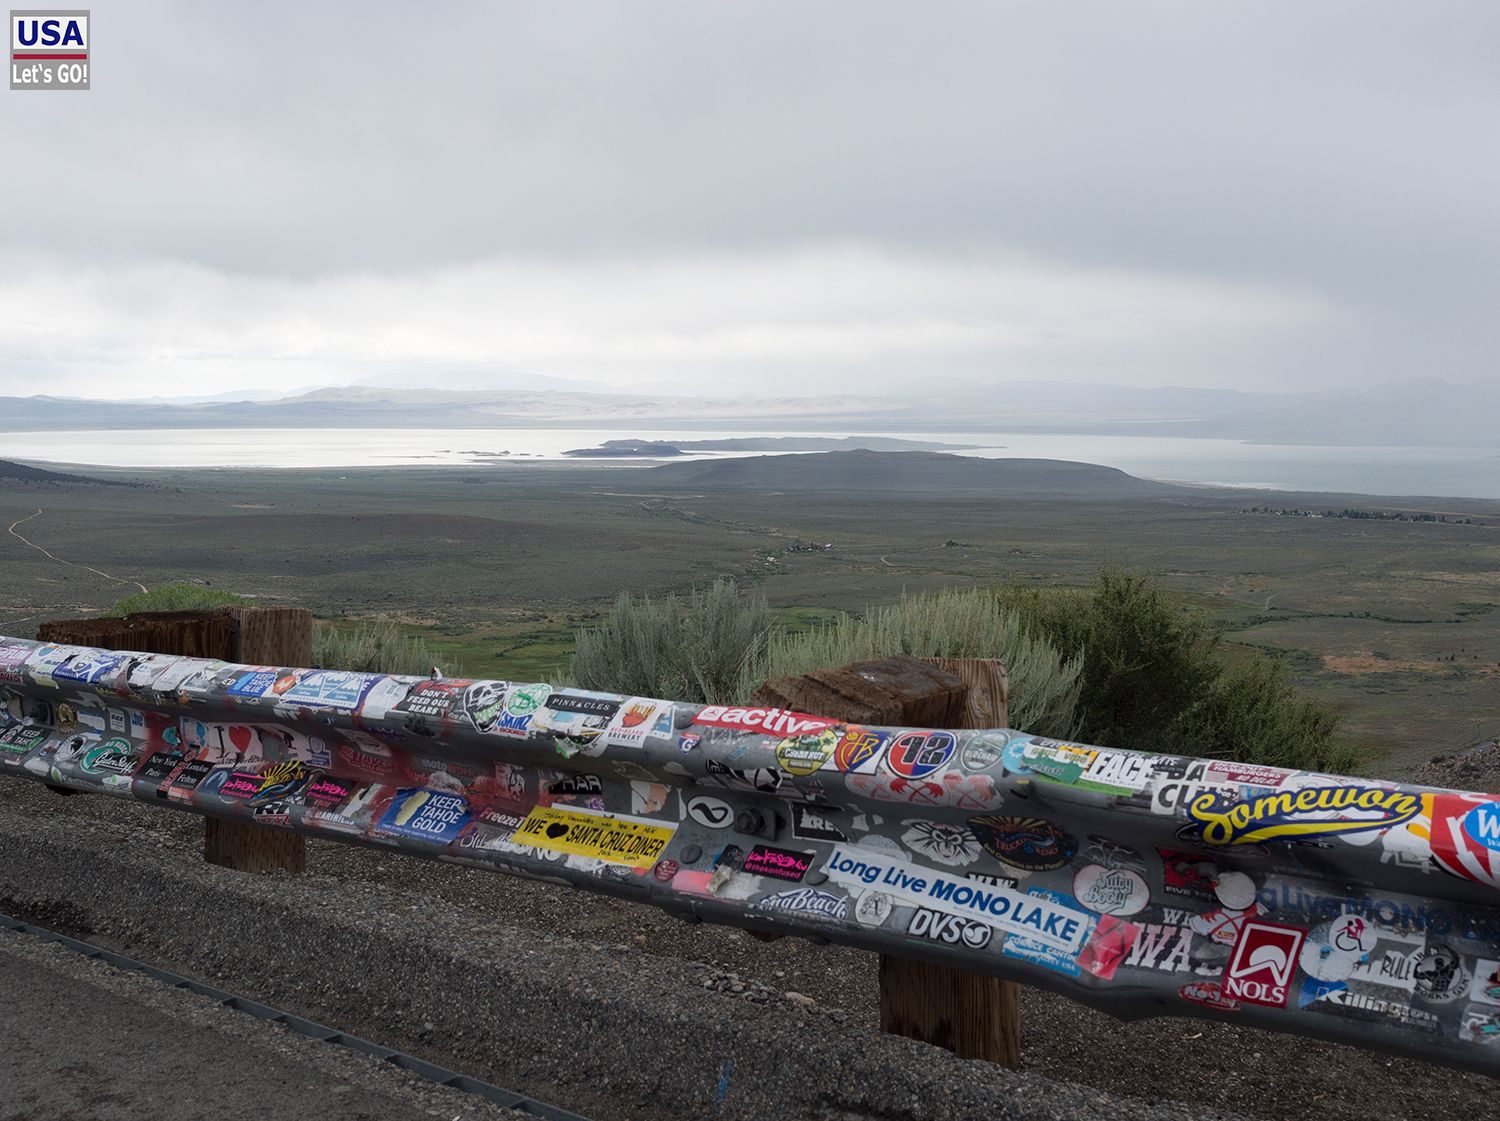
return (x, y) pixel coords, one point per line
(983, 752)
(238, 786)
(634, 722)
(1031, 915)
(425, 815)
(767, 780)
(779, 864)
(614, 840)
(1028, 843)
(809, 824)
(1108, 947)
(1111, 891)
(951, 930)
(1117, 772)
(941, 841)
(91, 666)
(1265, 958)
(665, 870)
(859, 748)
(802, 755)
(336, 689)
(1210, 994)
(1188, 873)
(873, 908)
(327, 792)
(1060, 762)
(709, 811)
(1334, 951)
(13, 657)
(917, 754)
(1246, 774)
(1482, 825)
(807, 901)
(1049, 955)
(649, 798)
(1165, 947)
(1440, 975)
(1315, 811)
(115, 756)
(1460, 836)
(1486, 985)
(767, 721)
(1235, 890)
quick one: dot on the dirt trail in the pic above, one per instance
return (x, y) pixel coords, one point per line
(71, 564)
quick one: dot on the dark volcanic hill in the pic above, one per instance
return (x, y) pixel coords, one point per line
(915, 473)
(23, 473)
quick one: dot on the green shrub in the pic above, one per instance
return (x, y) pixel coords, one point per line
(1146, 657)
(174, 597)
(685, 650)
(1154, 679)
(1044, 686)
(376, 648)
(1251, 713)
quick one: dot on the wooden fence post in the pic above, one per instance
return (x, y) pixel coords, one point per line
(276, 636)
(972, 1015)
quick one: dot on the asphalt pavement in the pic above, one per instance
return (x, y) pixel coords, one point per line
(88, 1042)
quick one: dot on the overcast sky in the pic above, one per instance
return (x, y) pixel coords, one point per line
(758, 197)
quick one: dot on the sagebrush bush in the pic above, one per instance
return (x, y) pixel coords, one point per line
(1044, 685)
(692, 649)
(376, 648)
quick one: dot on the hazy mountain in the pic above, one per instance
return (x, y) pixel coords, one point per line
(1427, 412)
(914, 472)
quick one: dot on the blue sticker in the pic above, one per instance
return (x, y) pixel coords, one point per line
(1482, 825)
(426, 815)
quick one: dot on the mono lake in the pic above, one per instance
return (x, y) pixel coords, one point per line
(1459, 472)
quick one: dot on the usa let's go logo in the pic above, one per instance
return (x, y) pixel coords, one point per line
(49, 50)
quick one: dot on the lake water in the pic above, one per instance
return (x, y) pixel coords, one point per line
(1459, 472)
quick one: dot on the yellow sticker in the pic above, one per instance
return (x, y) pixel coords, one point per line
(615, 840)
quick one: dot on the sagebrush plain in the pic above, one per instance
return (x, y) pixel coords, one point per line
(1394, 622)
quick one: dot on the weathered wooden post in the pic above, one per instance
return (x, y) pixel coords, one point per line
(972, 1015)
(274, 636)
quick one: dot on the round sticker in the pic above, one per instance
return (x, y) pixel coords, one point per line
(983, 752)
(1440, 975)
(1111, 891)
(873, 908)
(665, 870)
(1235, 890)
(1024, 842)
(917, 754)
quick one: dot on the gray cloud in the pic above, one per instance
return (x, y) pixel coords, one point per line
(827, 195)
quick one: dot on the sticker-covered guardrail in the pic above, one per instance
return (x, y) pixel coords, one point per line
(1145, 885)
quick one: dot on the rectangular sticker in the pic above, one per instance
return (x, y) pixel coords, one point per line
(614, 840)
(779, 864)
(1032, 916)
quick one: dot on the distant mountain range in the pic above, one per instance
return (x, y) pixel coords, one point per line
(871, 472)
(1425, 412)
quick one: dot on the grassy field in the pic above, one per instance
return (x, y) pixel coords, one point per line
(1396, 623)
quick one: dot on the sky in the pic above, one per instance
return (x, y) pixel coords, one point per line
(769, 197)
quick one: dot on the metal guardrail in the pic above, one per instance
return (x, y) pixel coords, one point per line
(1145, 885)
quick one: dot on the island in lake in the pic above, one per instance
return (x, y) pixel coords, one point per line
(660, 449)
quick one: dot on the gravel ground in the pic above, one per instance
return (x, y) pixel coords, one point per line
(154, 1053)
(707, 993)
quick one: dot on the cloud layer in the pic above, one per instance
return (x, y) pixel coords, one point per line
(845, 195)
